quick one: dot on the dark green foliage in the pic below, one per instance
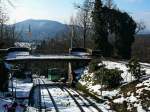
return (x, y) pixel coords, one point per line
(111, 77)
(100, 29)
(95, 65)
(124, 31)
(102, 75)
(111, 21)
(135, 68)
(1, 60)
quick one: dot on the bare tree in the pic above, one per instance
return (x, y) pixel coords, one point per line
(83, 18)
(3, 20)
(8, 34)
(74, 33)
(9, 2)
(110, 4)
(140, 27)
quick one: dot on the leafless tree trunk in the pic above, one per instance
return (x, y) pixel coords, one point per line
(110, 4)
(8, 33)
(84, 18)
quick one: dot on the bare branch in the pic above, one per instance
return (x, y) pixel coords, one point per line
(11, 4)
(140, 26)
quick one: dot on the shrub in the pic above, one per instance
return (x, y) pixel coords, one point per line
(135, 69)
(95, 65)
(109, 77)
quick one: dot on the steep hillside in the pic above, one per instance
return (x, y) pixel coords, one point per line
(131, 96)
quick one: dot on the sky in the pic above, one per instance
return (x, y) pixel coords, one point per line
(62, 10)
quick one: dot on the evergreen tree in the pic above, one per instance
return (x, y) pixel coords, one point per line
(100, 29)
(108, 21)
(125, 35)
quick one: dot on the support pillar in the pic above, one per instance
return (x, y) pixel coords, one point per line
(70, 77)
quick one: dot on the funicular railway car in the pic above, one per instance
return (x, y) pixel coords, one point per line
(55, 74)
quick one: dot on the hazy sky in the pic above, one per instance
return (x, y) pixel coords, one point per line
(61, 10)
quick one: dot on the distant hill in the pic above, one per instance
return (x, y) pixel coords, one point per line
(41, 29)
(143, 36)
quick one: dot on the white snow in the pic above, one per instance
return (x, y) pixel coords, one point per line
(131, 97)
(80, 53)
(4, 102)
(139, 108)
(95, 88)
(17, 54)
(20, 88)
(45, 57)
(145, 85)
(119, 100)
(110, 94)
(65, 102)
(121, 66)
(7, 103)
(23, 44)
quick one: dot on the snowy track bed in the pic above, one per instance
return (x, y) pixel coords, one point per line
(62, 99)
(83, 103)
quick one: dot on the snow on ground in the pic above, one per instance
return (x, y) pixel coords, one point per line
(146, 64)
(62, 99)
(6, 104)
(88, 82)
(23, 44)
(16, 54)
(121, 66)
(3, 102)
(135, 98)
(21, 88)
(132, 97)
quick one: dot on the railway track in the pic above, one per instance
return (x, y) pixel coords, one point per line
(88, 100)
(83, 103)
(47, 102)
(60, 99)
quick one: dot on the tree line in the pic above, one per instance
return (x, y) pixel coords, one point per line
(8, 34)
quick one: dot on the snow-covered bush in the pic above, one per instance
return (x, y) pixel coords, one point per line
(135, 69)
(110, 77)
